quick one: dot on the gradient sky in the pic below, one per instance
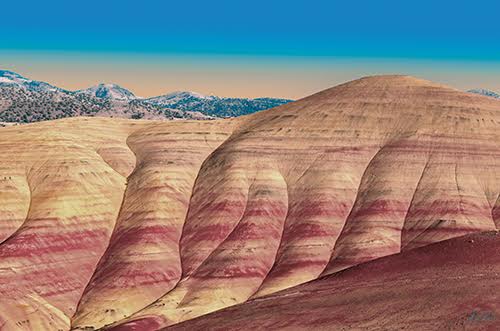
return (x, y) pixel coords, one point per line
(249, 48)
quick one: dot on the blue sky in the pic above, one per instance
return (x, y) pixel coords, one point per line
(438, 31)
(431, 29)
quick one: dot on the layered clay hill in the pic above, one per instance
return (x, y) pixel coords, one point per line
(450, 285)
(139, 225)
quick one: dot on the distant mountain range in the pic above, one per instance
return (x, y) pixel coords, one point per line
(109, 91)
(215, 106)
(23, 100)
(485, 92)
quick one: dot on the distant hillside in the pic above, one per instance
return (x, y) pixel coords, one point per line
(108, 91)
(23, 100)
(485, 92)
(215, 106)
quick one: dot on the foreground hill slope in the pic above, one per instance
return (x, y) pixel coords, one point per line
(137, 225)
(443, 286)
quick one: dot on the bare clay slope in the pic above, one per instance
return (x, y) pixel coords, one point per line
(70, 221)
(366, 169)
(138, 225)
(450, 285)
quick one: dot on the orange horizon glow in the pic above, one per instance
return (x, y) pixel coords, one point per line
(234, 76)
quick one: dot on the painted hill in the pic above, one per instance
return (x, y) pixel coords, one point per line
(139, 225)
(23, 100)
(443, 286)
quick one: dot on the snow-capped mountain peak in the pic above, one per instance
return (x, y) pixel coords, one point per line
(10, 78)
(10, 74)
(109, 91)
